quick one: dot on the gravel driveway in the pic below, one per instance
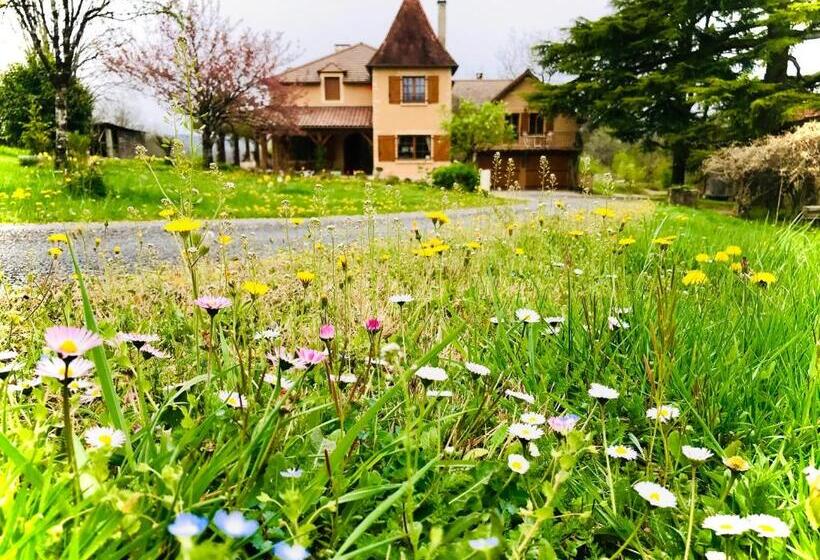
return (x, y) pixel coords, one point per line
(24, 248)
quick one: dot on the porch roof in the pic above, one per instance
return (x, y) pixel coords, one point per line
(334, 117)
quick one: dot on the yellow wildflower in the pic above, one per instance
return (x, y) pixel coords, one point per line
(58, 238)
(438, 218)
(664, 242)
(55, 252)
(224, 239)
(733, 250)
(183, 226)
(255, 289)
(519, 251)
(763, 278)
(604, 212)
(737, 463)
(559, 205)
(736, 267)
(626, 241)
(305, 277)
(297, 221)
(117, 249)
(722, 256)
(575, 233)
(167, 213)
(703, 258)
(20, 194)
(473, 245)
(695, 278)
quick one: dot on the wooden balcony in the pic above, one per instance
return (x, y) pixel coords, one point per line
(550, 141)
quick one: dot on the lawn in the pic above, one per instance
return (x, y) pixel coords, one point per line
(426, 399)
(36, 194)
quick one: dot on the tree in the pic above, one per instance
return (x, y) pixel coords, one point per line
(662, 73)
(59, 34)
(199, 62)
(27, 100)
(473, 127)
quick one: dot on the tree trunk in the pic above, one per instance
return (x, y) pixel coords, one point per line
(61, 127)
(257, 156)
(221, 156)
(207, 148)
(680, 156)
(235, 149)
(247, 149)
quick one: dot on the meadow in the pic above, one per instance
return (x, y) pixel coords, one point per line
(635, 382)
(136, 191)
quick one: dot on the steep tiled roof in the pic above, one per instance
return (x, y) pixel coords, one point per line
(352, 60)
(411, 42)
(479, 91)
(334, 117)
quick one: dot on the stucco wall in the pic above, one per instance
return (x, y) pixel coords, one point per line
(415, 119)
(353, 95)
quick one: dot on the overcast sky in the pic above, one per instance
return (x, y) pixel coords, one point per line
(481, 34)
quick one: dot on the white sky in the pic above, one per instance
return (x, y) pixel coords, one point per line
(479, 31)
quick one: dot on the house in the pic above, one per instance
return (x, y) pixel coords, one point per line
(381, 110)
(115, 141)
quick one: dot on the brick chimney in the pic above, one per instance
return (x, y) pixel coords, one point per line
(442, 22)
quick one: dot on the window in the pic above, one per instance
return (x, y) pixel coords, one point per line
(536, 124)
(513, 119)
(333, 88)
(413, 89)
(415, 147)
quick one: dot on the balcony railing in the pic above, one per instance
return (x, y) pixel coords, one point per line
(554, 140)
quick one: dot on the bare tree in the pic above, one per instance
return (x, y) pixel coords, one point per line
(200, 62)
(61, 35)
(518, 55)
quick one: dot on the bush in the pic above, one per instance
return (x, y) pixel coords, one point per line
(464, 174)
(28, 161)
(86, 181)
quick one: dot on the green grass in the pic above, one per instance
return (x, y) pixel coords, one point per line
(389, 472)
(36, 194)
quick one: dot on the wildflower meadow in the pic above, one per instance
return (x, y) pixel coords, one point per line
(628, 382)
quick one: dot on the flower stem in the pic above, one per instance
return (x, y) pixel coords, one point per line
(68, 435)
(608, 466)
(629, 538)
(692, 496)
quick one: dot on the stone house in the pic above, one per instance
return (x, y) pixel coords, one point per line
(381, 110)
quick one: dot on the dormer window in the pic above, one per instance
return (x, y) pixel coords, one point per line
(333, 88)
(414, 89)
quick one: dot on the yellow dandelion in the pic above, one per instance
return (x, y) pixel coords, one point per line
(604, 212)
(117, 250)
(763, 279)
(559, 205)
(297, 221)
(255, 289)
(737, 463)
(703, 258)
(55, 252)
(58, 238)
(305, 277)
(736, 267)
(722, 257)
(695, 278)
(224, 240)
(519, 251)
(733, 250)
(183, 226)
(167, 213)
(626, 241)
(438, 218)
(473, 245)
(664, 242)
(342, 262)
(575, 233)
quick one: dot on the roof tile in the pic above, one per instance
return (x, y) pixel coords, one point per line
(334, 117)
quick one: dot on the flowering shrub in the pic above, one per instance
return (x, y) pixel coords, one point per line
(407, 398)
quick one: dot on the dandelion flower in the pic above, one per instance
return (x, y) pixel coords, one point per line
(431, 373)
(622, 452)
(187, 525)
(725, 524)
(213, 304)
(234, 400)
(763, 279)
(58, 238)
(563, 424)
(768, 526)
(285, 551)
(305, 277)
(518, 464)
(527, 315)
(255, 289)
(656, 494)
(626, 241)
(484, 544)
(438, 218)
(71, 341)
(234, 524)
(102, 437)
(526, 432)
(696, 454)
(665, 413)
(602, 392)
(477, 369)
(703, 258)
(733, 250)
(737, 463)
(664, 242)
(695, 278)
(533, 418)
(604, 212)
(722, 257)
(183, 226)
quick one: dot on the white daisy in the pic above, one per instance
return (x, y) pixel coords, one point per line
(10, 367)
(725, 524)
(518, 464)
(401, 299)
(24, 385)
(533, 418)
(477, 369)
(8, 355)
(284, 383)
(234, 400)
(484, 544)
(656, 494)
(716, 555)
(527, 315)
(494, 320)
(598, 391)
(291, 473)
(622, 452)
(665, 413)
(346, 379)
(812, 476)
(271, 333)
(533, 449)
(100, 437)
(439, 394)
(696, 454)
(615, 323)
(431, 373)
(526, 397)
(55, 368)
(768, 526)
(525, 431)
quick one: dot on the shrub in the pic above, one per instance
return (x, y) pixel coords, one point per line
(86, 181)
(464, 174)
(776, 172)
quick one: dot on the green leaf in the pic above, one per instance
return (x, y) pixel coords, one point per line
(29, 471)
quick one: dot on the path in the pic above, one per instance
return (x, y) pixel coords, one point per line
(24, 248)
